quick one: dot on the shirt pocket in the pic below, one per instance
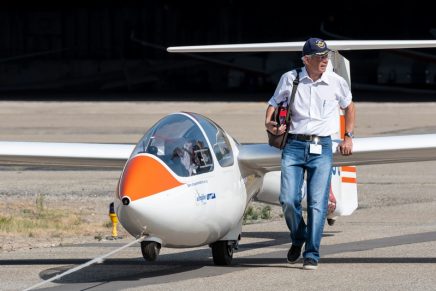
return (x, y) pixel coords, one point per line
(329, 108)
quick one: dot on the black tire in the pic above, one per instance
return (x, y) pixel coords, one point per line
(222, 253)
(150, 250)
(331, 221)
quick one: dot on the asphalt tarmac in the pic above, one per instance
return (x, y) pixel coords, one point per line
(389, 243)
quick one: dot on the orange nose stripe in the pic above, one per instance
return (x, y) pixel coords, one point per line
(144, 176)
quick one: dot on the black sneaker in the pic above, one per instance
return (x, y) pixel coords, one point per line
(294, 254)
(310, 264)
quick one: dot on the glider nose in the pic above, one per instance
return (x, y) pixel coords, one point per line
(145, 176)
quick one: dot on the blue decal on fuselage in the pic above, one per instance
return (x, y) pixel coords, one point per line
(204, 197)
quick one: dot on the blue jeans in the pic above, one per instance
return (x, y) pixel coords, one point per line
(296, 160)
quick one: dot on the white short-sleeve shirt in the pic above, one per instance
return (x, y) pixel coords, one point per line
(316, 105)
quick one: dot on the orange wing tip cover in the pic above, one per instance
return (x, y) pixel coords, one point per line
(348, 169)
(349, 180)
(145, 176)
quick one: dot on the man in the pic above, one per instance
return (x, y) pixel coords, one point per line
(308, 149)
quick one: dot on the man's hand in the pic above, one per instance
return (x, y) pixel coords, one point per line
(346, 146)
(271, 126)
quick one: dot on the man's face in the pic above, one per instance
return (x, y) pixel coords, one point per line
(317, 64)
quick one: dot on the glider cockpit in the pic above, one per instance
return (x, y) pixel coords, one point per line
(183, 141)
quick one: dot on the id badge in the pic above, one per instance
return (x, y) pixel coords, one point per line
(315, 149)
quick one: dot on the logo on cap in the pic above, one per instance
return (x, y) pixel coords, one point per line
(320, 44)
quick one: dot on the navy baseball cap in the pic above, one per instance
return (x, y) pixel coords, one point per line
(315, 46)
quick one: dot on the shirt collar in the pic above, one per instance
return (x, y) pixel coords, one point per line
(324, 77)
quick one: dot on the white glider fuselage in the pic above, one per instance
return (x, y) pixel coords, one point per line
(180, 194)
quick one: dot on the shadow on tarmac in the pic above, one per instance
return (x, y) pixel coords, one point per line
(198, 263)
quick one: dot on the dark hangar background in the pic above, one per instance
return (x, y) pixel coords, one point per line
(85, 49)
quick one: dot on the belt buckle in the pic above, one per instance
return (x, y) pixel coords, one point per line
(308, 137)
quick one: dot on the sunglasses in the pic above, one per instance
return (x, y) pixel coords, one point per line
(320, 57)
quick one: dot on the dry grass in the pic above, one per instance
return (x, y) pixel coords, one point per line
(39, 221)
(257, 212)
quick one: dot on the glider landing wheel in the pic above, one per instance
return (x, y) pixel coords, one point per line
(150, 250)
(222, 252)
(331, 221)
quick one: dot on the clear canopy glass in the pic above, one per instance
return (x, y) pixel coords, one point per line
(179, 142)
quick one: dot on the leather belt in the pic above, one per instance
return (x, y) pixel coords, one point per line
(304, 137)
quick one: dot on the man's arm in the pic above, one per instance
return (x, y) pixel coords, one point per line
(346, 147)
(270, 125)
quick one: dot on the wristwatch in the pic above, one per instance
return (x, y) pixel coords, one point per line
(349, 134)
